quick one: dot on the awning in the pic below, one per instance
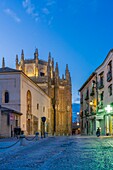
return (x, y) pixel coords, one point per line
(7, 110)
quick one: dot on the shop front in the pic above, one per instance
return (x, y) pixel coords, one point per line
(100, 123)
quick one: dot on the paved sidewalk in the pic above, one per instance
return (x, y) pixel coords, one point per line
(92, 136)
(60, 153)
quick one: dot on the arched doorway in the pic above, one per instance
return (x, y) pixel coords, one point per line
(29, 113)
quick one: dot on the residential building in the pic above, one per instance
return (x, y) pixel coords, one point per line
(97, 107)
(88, 104)
(105, 95)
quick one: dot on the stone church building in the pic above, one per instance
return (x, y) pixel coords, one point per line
(46, 76)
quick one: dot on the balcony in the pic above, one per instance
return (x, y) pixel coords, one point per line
(92, 110)
(92, 92)
(86, 112)
(93, 113)
(109, 76)
(101, 85)
(81, 101)
(100, 105)
(87, 97)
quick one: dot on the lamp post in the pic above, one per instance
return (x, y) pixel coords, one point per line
(43, 126)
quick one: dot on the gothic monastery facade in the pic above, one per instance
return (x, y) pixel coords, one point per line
(58, 89)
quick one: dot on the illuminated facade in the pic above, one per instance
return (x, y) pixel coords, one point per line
(19, 94)
(58, 89)
(105, 95)
(88, 105)
(101, 99)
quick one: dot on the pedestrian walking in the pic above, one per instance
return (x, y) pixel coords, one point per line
(98, 132)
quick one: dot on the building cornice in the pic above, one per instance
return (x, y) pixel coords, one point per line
(90, 77)
(94, 73)
(14, 71)
(111, 51)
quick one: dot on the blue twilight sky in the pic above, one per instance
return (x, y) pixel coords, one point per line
(77, 32)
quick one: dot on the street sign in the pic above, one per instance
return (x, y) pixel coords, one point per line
(11, 116)
(43, 119)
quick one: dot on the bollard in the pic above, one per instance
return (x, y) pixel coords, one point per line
(46, 134)
(22, 140)
(37, 133)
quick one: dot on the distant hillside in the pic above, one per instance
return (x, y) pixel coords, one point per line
(75, 109)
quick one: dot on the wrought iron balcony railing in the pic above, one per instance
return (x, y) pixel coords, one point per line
(92, 92)
(101, 85)
(87, 97)
(109, 76)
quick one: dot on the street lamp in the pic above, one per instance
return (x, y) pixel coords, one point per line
(91, 103)
(43, 126)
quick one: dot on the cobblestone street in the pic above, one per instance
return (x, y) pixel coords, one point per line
(59, 153)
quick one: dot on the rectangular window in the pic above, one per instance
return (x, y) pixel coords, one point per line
(101, 80)
(6, 97)
(87, 94)
(37, 106)
(81, 99)
(110, 66)
(43, 109)
(102, 96)
(41, 74)
(110, 90)
(16, 123)
(109, 73)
